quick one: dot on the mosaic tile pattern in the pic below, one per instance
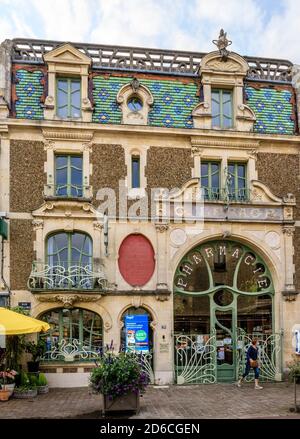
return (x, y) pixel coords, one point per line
(273, 110)
(173, 101)
(29, 91)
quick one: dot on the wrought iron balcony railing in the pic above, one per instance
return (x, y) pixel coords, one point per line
(65, 276)
(241, 195)
(67, 191)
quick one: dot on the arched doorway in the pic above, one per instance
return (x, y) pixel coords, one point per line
(75, 334)
(223, 297)
(137, 336)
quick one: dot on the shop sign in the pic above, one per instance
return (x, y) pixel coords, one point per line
(137, 333)
(25, 305)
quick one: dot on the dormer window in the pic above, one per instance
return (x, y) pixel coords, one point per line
(135, 102)
(68, 72)
(68, 98)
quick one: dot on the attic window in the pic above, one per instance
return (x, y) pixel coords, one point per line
(134, 103)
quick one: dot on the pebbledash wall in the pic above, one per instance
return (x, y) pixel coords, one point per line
(172, 134)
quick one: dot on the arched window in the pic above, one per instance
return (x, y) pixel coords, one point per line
(74, 334)
(69, 258)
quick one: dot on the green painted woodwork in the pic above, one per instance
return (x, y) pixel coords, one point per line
(221, 101)
(3, 228)
(68, 176)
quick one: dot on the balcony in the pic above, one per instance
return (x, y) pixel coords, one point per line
(241, 195)
(66, 276)
(67, 191)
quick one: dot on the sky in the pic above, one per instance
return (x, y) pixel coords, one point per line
(265, 28)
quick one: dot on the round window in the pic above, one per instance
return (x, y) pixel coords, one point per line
(134, 103)
(223, 297)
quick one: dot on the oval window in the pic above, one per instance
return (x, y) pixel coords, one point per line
(134, 104)
(136, 260)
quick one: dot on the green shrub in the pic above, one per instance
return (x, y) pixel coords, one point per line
(42, 380)
(33, 380)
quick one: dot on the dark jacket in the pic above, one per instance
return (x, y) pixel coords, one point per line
(251, 353)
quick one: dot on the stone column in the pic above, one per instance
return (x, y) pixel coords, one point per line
(161, 256)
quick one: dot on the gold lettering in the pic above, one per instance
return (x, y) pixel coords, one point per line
(236, 253)
(209, 252)
(180, 283)
(197, 259)
(251, 259)
(222, 250)
(187, 269)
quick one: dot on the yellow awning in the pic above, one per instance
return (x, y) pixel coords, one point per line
(13, 323)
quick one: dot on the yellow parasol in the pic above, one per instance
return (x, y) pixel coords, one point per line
(13, 323)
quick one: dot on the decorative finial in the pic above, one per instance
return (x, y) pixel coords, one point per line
(222, 42)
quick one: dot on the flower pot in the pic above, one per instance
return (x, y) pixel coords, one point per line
(129, 402)
(42, 389)
(4, 395)
(33, 366)
(9, 387)
(24, 394)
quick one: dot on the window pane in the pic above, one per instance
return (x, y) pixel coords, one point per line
(216, 121)
(76, 177)
(76, 161)
(215, 181)
(227, 109)
(135, 172)
(241, 170)
(61, 161)
(62, 112)
(62, 85)
(204, 181)
(75, 86)
(204, 169)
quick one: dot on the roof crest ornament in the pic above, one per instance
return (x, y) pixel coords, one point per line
(222, 42)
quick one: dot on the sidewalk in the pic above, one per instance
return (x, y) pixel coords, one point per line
(205, 401)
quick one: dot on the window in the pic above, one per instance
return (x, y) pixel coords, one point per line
(210, 180)
(237, 181)
(134, 103)
(68, 176)
(69, 256)
(68, 98)
(67, 249)
(76, 327)
(221, 101)
(135, 172)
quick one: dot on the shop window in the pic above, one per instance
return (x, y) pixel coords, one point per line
(237, 174)
(210, 180)
(68, 176)
(74, 335)
(135, 172)
(68, 92)
(221, 104)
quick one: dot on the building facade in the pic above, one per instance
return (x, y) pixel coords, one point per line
(150, 198)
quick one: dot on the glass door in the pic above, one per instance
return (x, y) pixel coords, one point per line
(224, 325)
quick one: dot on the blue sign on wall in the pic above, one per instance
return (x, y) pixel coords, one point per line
(137, 333)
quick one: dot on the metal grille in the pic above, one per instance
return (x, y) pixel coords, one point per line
(147, 60)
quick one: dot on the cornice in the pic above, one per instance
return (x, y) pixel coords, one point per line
(198, 141)
(50, 134)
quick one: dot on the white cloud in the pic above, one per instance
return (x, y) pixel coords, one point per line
(256, 27)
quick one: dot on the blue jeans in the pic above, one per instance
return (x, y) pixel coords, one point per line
(247, 370)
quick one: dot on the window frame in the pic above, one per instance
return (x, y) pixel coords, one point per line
(69, 81)
(221, 111)
(236, 195)
(68, 184)
(135, 158)
(69, 247)
(209, 193)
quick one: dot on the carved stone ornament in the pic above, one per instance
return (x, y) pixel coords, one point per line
(98, 226)
(68, 300)
(107, 326)
(49, 103)
(197, 150)
(161, 228)
(222, 43)
(288, 230)
(37, 224)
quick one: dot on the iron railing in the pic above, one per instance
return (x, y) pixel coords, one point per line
(66, 191)
(65, 276)
(241, 195)
(147, 60)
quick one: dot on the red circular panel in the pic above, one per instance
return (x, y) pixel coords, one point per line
(136, 260)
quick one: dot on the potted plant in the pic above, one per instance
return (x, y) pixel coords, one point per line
(7, 380)
(36, 350)
(294, 369)
(42, 385)
(26, 388)
(121, 380)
